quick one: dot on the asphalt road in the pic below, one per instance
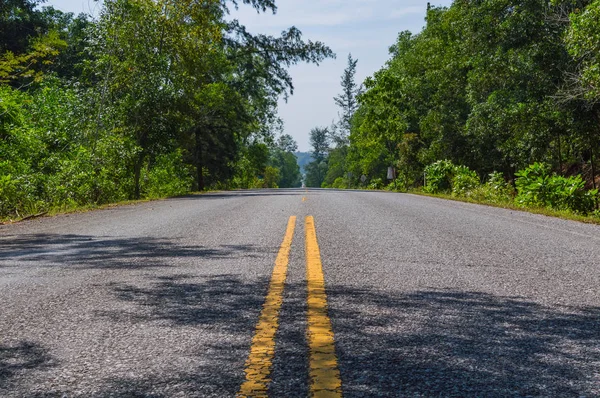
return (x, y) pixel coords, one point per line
(426, 298)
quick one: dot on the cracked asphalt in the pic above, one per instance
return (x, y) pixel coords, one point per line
(426, 297)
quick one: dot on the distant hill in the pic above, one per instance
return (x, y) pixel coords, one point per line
(304, 158)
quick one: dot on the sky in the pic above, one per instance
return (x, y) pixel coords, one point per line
(364, 28)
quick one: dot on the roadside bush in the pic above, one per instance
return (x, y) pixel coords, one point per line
(443, 176)
(255, 183)
(570, 194)
(399, 185)
(495, 190)
(498, 184)
(537, 187)
(533, 185)
(376, 183)
(438, 176)
(339, 183)
(168, 176)
(464, 181)
(271, 177)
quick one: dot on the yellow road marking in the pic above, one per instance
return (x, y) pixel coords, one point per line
(325, 378)
(260, 359)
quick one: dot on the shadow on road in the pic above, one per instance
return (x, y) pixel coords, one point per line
(427, 343)
(222, 301)
(18, 359)
(225, 305)
(84, 251)
(452, 343)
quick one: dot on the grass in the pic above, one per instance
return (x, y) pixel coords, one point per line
(70, 209)
(566, 215)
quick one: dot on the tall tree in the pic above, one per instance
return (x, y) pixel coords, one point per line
(317, 169)
(583, 85)
(347, 102)
(319, 140)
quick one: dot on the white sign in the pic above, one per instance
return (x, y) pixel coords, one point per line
(391, 173)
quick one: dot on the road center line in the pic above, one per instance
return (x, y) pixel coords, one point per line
(260, 359)
(324, 373)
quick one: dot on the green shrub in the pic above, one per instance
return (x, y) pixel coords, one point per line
(498, 183)
(399, 185)
(533, 185)
(339, 183)
(375, 183)
(537, 187)
(272, 175)
(168, 176)
(443, 176)
(495, 190)
(464, 181)
(256, 183)
(570, 194)
(438, 176)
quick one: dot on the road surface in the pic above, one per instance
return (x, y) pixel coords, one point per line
(293, 293)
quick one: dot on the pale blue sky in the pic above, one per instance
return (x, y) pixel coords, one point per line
(365, 28)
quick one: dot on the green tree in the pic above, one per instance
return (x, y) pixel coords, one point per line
(285, 161)
(347, 102)
(286, 143)
(20, 21)
(317, 169)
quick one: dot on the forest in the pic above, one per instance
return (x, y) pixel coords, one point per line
(494, 100)
(497, 100)
(151, 98)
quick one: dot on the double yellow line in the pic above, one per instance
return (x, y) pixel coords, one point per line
(323, 368)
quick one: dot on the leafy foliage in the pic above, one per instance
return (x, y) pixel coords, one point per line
(347, 101)
(438, 176)
(538, 187)
(153, 98)
(494, 86)
(464, 180)
(317, 169)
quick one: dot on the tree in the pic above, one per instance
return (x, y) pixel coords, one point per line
(316, 170)
(287, 144)
(140, 102)
(285, 161)
(289, 171)
(319, 140)
(20, 21)
(347, 101)
(583, 86)
(477, 86)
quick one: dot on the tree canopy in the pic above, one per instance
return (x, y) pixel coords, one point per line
(493, 85)
(151, 98)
